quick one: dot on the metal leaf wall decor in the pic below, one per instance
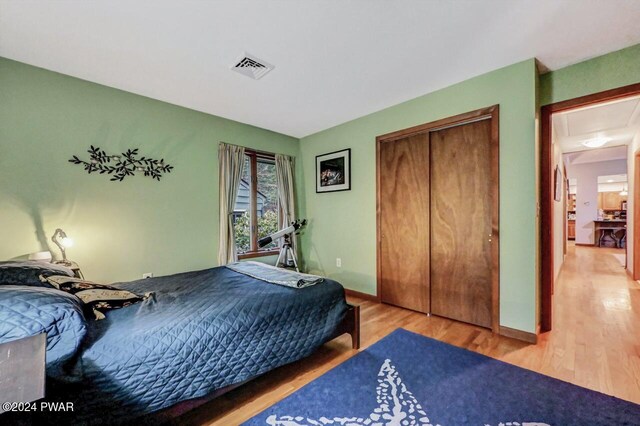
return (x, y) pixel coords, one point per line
(123, 165)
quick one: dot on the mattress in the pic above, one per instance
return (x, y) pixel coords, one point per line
(198, 332)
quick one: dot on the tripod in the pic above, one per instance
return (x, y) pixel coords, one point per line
(286, 253)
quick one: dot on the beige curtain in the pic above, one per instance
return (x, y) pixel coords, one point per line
(285, 171)
(230, 164)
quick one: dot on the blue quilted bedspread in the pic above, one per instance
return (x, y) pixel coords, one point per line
(198, 332)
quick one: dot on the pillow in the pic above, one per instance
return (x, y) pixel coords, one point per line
(99, 297)
(27, 272)
(27, 311)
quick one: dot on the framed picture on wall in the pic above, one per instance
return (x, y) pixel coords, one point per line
(558, 185)
(333, 171)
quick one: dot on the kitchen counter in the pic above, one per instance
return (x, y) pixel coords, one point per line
(615, 228)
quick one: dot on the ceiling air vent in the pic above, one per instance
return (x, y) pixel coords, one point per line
(252, 67)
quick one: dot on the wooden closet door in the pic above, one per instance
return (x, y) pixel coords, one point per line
(461, 223)
(404, 222)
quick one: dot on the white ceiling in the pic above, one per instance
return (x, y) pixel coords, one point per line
(335, 60)
(612, 179)
(617, 121)
(596, 155)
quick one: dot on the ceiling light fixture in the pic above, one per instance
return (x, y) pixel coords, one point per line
(624, 191)
(595, 142)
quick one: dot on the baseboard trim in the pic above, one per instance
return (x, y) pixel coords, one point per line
(365, 296)
(524, 336)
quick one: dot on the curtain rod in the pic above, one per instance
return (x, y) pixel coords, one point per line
(257, 151)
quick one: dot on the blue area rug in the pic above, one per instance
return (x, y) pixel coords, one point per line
(407, 379)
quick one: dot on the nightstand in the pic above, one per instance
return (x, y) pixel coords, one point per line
(77, 272)
(22, 371)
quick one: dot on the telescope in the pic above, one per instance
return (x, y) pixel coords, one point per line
(294, 227)
(286, 251)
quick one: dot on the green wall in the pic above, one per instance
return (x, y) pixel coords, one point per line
(605, 72)
(343, 224)
(122, 229)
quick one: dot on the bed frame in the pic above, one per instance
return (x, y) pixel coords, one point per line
(349, 325)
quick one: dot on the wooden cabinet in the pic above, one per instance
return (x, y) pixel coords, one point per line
(571, 202)
(571, 229)
(610, 200)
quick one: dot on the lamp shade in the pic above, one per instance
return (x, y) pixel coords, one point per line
(624, 191)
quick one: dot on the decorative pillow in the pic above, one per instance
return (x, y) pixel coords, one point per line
(98, 297)
(27, 272)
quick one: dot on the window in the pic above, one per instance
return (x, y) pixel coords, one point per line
(256, 210)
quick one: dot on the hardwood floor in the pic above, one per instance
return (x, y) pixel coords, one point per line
(595, 342)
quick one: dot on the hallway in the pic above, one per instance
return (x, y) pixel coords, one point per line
(595, 340)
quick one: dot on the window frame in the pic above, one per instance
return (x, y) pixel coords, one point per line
(254, 250)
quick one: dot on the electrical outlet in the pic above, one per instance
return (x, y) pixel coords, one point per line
(338, 262)
(147, 275)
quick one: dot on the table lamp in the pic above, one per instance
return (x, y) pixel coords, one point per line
(62, 241)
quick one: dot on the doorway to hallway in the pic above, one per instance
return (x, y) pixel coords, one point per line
(583, 126)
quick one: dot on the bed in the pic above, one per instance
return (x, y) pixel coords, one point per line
(198, 335)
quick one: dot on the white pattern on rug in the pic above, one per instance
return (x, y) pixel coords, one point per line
(396, 407)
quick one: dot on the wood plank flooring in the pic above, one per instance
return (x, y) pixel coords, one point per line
(595, 342)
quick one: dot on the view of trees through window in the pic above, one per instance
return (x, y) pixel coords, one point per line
(266, 206)
(242, 212)
(267, 187)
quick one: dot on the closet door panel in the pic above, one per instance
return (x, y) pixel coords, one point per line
(404, 222)
(461, 203)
